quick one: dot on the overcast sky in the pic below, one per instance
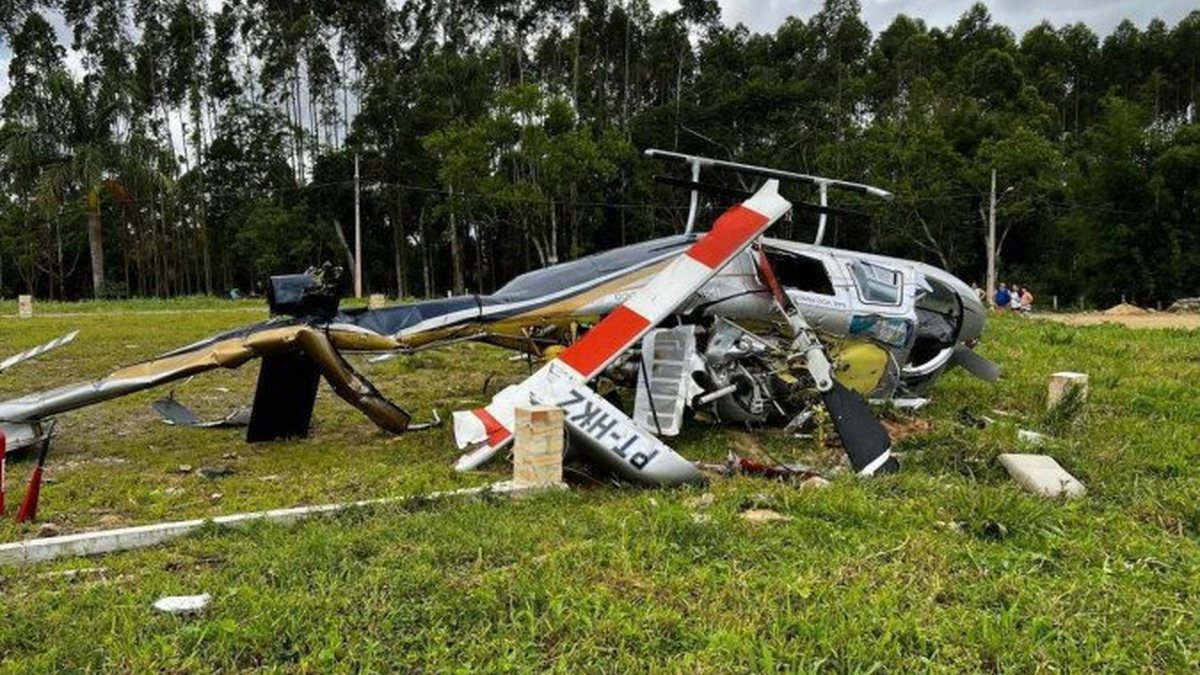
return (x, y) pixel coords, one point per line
(1020, 15)
(766, 15)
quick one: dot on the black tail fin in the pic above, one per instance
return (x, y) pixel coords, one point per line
(283, 398)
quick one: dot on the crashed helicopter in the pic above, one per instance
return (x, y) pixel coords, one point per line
(746, 328)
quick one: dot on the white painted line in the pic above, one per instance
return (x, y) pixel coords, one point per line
(142, 536)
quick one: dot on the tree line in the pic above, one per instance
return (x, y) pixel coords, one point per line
(196, 149)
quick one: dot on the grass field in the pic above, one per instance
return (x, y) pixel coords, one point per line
(945, 567)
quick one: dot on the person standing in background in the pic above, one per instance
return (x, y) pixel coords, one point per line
(1026, 299)
(1003, 297)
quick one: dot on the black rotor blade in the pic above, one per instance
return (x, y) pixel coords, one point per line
(867, 443)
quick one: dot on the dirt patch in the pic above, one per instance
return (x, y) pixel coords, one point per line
(1125, 309)
(899, 430)
(1147, 320)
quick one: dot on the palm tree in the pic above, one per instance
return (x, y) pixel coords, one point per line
(85, 152)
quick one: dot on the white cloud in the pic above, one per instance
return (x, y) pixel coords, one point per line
(5, 57)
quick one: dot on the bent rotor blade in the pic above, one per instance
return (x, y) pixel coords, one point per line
(37, 351)
(732, 233)
(866, 441)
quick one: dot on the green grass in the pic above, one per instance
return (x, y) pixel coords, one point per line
(945, 567)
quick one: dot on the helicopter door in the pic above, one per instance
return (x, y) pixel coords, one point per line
(877, 284)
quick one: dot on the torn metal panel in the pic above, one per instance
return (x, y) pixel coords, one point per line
(177, 414)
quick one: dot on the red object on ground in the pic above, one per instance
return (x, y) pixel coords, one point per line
(29, 505)
(28, 510)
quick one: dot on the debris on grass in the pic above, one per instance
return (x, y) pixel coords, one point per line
(814, 483)
(763, 516)
(183, 604)
(48, 530)
(906, 404)
(1031, 437)
(736, 465)
(215, 472)
(1041, 474)
(183, 469)
(702, 502)
(967, 418)
(74, 574)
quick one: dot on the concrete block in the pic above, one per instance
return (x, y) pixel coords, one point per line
(1041, 474)
(538, 446)
(1064, 382)
(25, 306)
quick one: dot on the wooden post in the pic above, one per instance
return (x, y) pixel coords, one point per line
(1062, 383)
(25, 306)
(538, 446)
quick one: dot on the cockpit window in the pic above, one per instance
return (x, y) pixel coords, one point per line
(876, 284)
(801, 272)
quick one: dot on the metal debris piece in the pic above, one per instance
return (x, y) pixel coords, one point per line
(910, 404)
(1031, 437)
(177, 414)
(214, 472)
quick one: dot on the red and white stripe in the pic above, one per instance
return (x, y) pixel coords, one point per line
(731, 234)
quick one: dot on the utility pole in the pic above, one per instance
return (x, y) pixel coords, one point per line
(358, 229)
(991, 243)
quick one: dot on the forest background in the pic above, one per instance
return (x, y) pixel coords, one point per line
(199, 147)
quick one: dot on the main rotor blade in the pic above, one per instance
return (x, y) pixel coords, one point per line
(866, 441)
(735, 194)
(37, 351)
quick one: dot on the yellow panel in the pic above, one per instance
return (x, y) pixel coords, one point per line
(859, 365)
